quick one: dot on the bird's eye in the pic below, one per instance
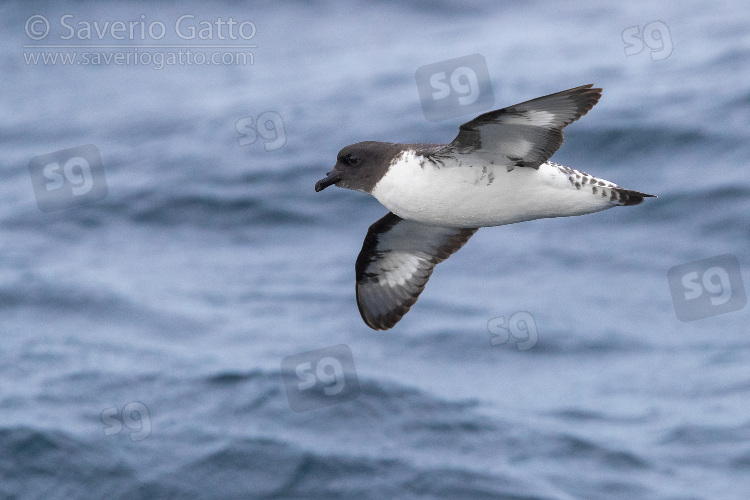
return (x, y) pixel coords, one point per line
(351, 159)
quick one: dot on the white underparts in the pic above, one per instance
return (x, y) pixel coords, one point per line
(467, 192)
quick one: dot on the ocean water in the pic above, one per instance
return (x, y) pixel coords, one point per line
(142, 333)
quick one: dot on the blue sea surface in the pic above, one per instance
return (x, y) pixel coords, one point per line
(142, 334)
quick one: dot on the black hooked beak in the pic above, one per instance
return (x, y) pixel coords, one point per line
(332, 177)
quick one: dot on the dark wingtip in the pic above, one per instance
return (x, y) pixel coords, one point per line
(589, 97)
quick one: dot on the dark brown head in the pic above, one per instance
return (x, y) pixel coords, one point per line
(361, 165)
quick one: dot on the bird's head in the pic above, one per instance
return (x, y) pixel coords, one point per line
(359, 166)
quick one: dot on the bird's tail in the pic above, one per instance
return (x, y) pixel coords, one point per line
(627, 197)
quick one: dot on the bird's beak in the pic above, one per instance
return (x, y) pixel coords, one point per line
(331, 177)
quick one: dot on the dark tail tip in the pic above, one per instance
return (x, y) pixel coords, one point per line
(628, 197)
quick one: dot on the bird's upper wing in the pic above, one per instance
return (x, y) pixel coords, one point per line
(396, 260)
(526, 134)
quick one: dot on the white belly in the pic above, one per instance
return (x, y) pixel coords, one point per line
(465, 195)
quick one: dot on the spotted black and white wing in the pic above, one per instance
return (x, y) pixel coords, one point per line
(396, 260)
(526, 134)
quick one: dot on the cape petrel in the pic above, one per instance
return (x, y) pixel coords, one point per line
(495, 172)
